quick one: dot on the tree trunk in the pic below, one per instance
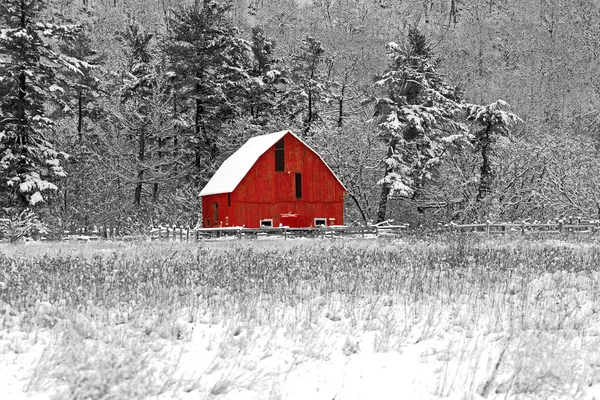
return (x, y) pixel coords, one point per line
(21, 116)
(80, 116)
(175, 141)
(200, 132)
(362, 213)
(198, 152)
(309, 117)
(385, 192)
(137, 196)
(486, 172)
(65, 202)
(22, 138)
(341, 107)
(310, 106)
(385, 187)
(158, 170)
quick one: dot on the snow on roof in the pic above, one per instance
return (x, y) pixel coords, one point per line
(235, 168)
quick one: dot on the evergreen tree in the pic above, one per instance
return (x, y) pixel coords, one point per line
(84, 89)
(209, 65)
(493, 122)
(138, 89)
(145, 111)
(307, 81)
(418, 118)
(265, 87)
(29, 80)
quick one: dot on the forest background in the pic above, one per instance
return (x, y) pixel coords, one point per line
(119, 111)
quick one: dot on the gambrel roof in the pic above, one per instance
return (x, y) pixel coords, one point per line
(235, 168)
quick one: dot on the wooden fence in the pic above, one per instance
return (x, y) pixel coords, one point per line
(186, 233)
(528, 227)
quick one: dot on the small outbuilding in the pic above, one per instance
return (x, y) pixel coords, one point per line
(273, 180)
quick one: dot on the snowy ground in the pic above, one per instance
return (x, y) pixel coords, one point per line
(499, 345)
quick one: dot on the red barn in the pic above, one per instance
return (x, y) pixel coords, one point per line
(273, 180)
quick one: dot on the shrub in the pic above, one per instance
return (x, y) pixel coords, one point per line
(24, 224)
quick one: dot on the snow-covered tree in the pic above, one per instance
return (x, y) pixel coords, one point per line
(145, 114)
(492, 122)
(209, 64)
(136, 92)
(419, 116)
(29, 80)
(264, 89)
(307, 82)
(83, 88)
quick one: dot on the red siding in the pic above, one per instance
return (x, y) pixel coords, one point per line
(266, 194)
(223, 210)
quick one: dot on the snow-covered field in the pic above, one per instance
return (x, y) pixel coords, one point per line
(445, 318)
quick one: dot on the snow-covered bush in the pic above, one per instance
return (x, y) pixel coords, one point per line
(18, 225)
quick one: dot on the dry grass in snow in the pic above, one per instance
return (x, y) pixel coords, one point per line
(454, 317)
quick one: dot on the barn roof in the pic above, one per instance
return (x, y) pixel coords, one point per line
(235, 168)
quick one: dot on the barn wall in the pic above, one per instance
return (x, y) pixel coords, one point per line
(252, 213)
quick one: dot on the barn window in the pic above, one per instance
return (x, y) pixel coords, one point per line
(266, 223)
(215, 213)
(298, 185)
(228, 199)
(320, 221)
(279, 156)
(207, 222)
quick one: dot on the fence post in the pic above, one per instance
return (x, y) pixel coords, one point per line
(560, 225)
(570, 223)
(180, 233)
(522, 228)
(487, 227)
(284, 233)
(187, 234)
(114, 232)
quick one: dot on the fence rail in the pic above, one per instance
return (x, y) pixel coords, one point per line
(187, 233)
(183, 233)
(528, 227)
